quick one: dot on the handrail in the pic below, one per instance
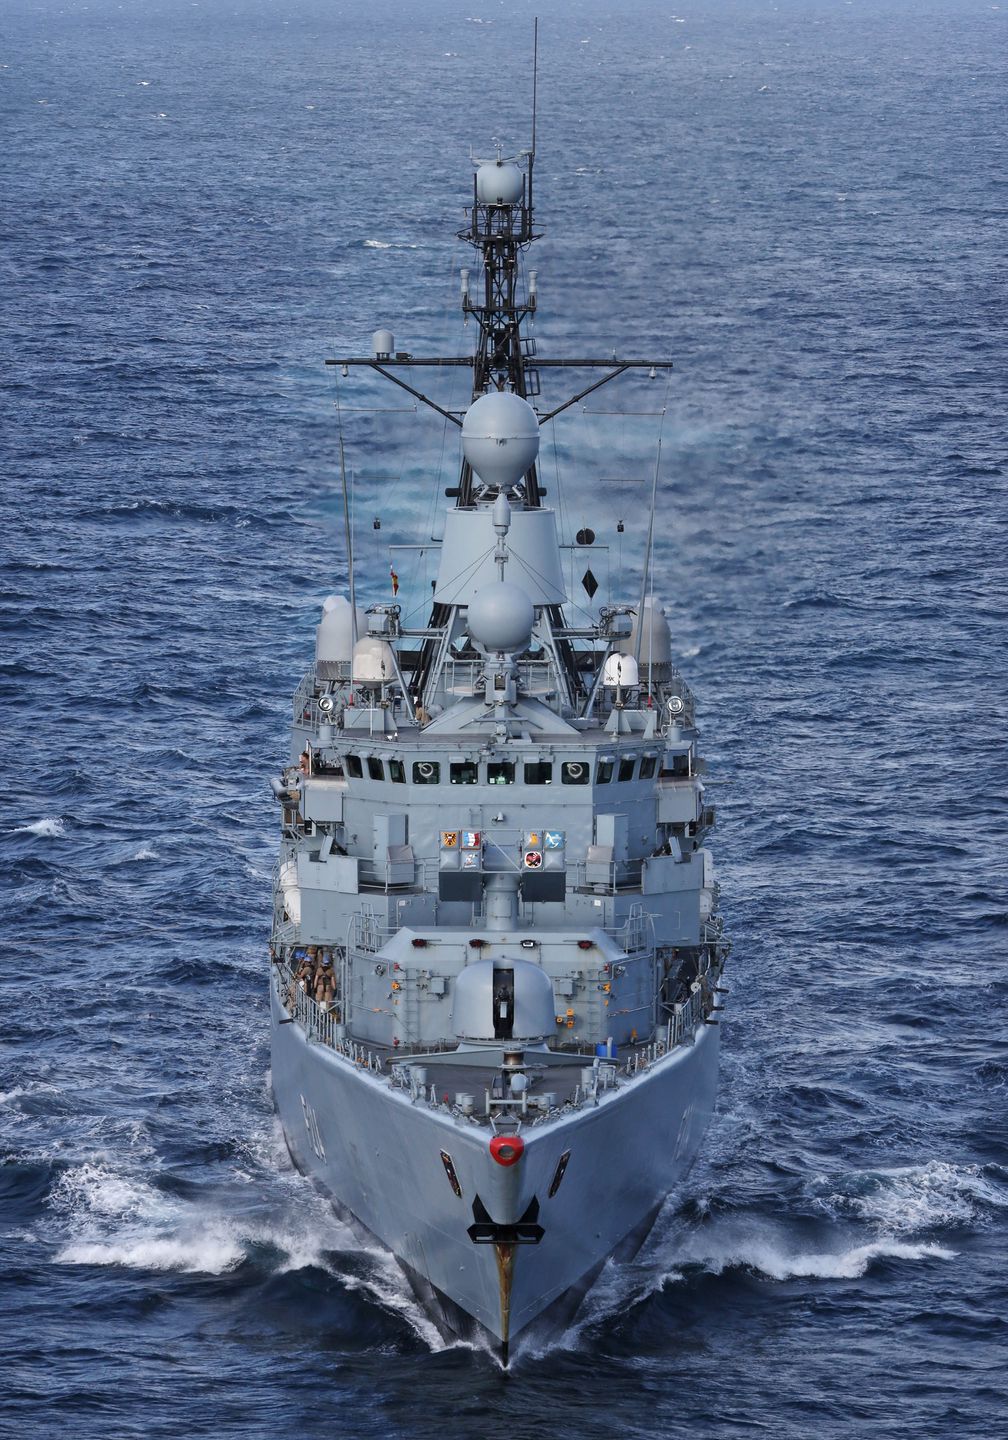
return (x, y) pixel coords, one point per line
(321, 1024)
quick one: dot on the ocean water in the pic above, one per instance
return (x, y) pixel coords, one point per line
(804, 204)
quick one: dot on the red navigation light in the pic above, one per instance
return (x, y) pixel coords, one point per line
(582, 944)
(507, 1149)
(419, 943)
(476, 944)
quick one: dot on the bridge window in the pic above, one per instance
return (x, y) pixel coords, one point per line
(426, 772)
(604, 772)
(538, 772)
(397, 772)
(463, 772)
(575, 772)
(354, 767)
(626, 767)
(500, 772)
(375, 768)
(647, 766)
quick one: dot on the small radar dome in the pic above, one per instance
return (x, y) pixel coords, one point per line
(372, 661)
(501, 617)
(620, 670)
(382, 343)
(499, 182)
(500, 437)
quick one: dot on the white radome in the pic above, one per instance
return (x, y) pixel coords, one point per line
(372, 661)
(656, 636)
(500, 437)
(499, 182)
(501, 617)
(334, 635)
(620, 670)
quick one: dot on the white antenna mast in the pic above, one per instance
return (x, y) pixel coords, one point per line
(349, 532)
(647, 556)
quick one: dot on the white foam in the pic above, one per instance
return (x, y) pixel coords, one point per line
(95, 1189)
(377, 245)
(771, 1256)
(51, 828)
(384, 1283)
(7, 1096)
(118, 1219)
(677, 1248)
(906, 1200)
(122, 1220)
(146, 853)
(206, 1254)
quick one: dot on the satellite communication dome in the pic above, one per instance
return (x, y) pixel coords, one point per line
(372, 661)
(620, 670)
(499, 182)
(501, 617)
(500, 437)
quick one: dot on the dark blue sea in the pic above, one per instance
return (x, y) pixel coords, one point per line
(805, 205)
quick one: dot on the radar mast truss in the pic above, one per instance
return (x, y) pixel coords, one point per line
(500, 228)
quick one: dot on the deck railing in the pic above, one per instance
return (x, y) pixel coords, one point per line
(321, 1023)
(324, 1025)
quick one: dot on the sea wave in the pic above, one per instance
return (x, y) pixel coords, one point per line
(51, 828)
(909, 1199)
(777, 1259)
(106, 1217)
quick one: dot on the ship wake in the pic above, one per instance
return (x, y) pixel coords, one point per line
(105, 1215)
(865, 1223)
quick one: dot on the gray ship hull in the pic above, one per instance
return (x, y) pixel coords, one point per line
(380, 1157)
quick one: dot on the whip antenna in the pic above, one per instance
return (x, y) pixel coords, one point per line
(535, 86)
(535, 75)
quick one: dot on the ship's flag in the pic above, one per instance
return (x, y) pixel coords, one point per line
(395, 580)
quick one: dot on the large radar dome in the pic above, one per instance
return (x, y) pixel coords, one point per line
(500, 437)
(501, 617)
(499, 183)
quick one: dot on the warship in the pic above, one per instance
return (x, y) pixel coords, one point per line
(496, 951)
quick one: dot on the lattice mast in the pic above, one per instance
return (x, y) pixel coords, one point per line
(500, 228)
